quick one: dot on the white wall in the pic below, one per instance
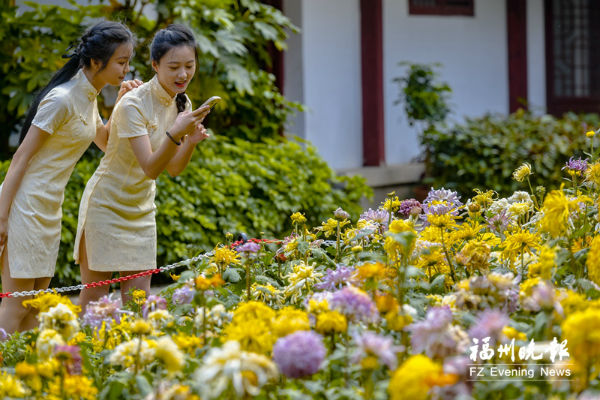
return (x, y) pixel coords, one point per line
(330, 67)
(474, 58)
(536, 56)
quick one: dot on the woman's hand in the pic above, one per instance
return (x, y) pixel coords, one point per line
(126, 86)
(199, 134)
(187, 121)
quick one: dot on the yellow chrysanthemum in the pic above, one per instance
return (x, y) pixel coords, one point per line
(385, 302)
(72, 387)
(582, 332)
(519, 242)
(512, 333)
(415, 377)
(396, 321)
(330, 226)
(466, 231)
(331, 322)
(30, 375)
(444, 221)
(139, 297)
(252, 335)
(590, 134)
(253, 310)
(475, 255)
(593, 260)
(169, 355)
(484, 199)
(571, 301)
(556, 213)
(187, 343)
(391, 204)
(45, 301)
(289, 320)
(225, 256)
(520, 209)
(140, 327)
(298, 218)
(375, 270)
(545, 264)
(522, 172)
(316, 307)
(401, 225)
(10, 386)
(592, 173)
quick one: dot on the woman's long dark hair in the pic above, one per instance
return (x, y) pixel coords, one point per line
(172, 36)
(97, 43)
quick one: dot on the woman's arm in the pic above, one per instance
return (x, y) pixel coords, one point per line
(184, 155)
(153, 163)
(103, 130)
(33, 141)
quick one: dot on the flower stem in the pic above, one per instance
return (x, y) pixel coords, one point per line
(337, 245)
(450, 264)
(535, 203)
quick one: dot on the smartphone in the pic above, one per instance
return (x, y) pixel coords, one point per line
(211, 102)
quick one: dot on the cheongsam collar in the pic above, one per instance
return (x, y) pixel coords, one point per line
(88, 89)
(159, 91)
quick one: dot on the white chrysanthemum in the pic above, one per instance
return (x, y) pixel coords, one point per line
(61, 319)
(159, 319)
(520, 197)
(498, 206)
(216, 316)
(229, 366)
(126, 353)
(47, 340)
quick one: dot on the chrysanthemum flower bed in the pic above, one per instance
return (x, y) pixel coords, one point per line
(481, 298)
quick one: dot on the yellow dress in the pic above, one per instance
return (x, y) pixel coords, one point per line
(117, 211)
(69, 113)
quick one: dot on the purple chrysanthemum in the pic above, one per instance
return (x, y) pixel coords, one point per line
(153, 303)
(104, 310)
(379, 216)
(542, 296)
(70, 356)
(369, 343)
(183, 295)
(3, 335)
(436, 335)
(340, 214)
(248, 248)
(299, 354)
(499, 222)
(489, 324)
(336, 278)
(355, 304)
(410, 206)
(578, 165)
(449, 197)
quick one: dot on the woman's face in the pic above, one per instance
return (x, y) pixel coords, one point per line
(117, 66)
(176, 69)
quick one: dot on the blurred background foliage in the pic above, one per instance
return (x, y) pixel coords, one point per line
(247, 178)
(482, 153)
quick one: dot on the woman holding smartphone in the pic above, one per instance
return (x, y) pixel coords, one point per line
(152, 130)
(62, 122)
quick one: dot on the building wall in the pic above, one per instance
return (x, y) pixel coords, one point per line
(326, 78)
(473, 54)
(536, 56)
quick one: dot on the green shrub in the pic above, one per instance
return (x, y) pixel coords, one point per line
(424, 97)
(233, 62)
(484, 152)
(231, 185)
